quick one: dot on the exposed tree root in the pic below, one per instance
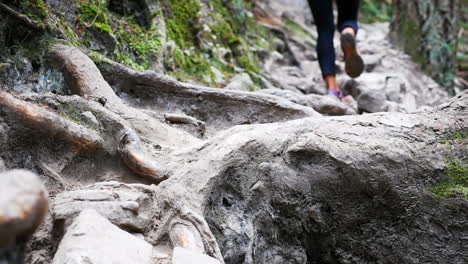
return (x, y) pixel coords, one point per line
(81, 74)
(130, 150)
(85, 79)
(22, 18)
(51, 124)
(218, 108)
(129, 145)
(186, 229)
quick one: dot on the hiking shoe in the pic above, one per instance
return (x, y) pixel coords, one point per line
(337, 94)
(354, 65)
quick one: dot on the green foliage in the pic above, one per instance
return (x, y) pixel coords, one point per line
(186, 60)
(226, 69)
(223, 32)
(375, 11)
(124, 58)
(182, 22)
(92, 15)
(246, 63)
(233, 12)
(142, 42)
(455, 184)
(36, 9)
(189, 65)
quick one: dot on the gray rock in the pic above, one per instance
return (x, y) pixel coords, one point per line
(241, 82)
(4, 66)
(89, 117)
(372, 61)
(374, 168)
(2, 165)
(93, 239)
(409, 102)
(351, 102)
(295, 97)
(120, 203)
(394, 107)
(329, 105)
(218, 77)
(187, 256)
(323, 104)
(293, 79)
(366, 82)
(23, 205)
(394, 87)
(372, 101)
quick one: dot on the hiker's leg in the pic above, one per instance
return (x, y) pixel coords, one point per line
(348, 11)
(322, 10)
(330, 81)
(348, 26)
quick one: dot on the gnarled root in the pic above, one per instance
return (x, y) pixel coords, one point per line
(130, 150)
(188, 230)
(51, 124)
(22, 18)
(85, 79)
(129, 145)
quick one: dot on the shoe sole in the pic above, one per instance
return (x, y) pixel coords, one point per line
(354, 65)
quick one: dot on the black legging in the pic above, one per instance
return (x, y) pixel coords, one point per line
(322, 10)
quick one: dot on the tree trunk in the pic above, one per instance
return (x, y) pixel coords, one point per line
(428, 32)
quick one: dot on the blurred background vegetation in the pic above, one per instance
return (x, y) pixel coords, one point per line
(373, 11)
(376, 11)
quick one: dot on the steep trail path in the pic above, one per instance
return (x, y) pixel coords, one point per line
(391, 81)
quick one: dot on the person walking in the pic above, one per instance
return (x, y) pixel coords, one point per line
(322, 11)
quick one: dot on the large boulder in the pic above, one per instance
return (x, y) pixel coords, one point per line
(332, 189)
(93, 239)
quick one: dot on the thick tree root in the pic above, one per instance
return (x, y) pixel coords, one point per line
(218, 108)
(51, 124)
(22, 18)
(82, 75)
(129, 146)
(130, 150)
(85, 79)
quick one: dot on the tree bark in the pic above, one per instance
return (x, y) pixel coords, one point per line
(428, 32)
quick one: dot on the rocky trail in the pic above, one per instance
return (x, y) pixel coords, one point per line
(131, 166)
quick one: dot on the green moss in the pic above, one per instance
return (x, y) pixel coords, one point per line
(182, 22)
(459, 136)
(245, 63)
(124, 58)
(226, 69)
(141, 42)
(296, 29)
(36, 9)
(224, 33)
(92, 15)
(455, 184)
(191, 66)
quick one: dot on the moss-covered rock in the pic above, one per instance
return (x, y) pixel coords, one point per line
(455, 184)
